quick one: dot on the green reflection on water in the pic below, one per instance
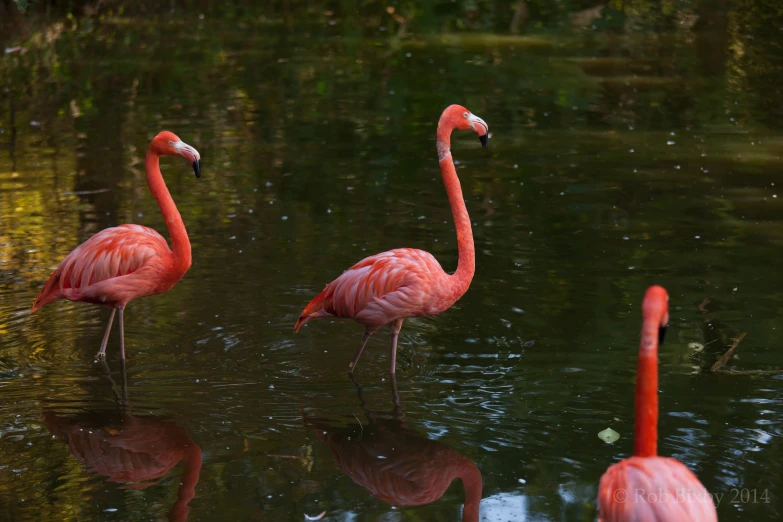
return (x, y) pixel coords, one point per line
(611, 152)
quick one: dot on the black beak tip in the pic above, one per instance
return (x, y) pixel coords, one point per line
(197, 168)
(483, 139)
(662, 334)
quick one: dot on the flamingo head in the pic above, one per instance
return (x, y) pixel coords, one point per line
(168, 144)
(461, 118)
(656, 307)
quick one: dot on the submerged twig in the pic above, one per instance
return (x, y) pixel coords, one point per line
(720, 363)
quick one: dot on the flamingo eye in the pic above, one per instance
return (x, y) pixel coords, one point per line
(171, 143)
(465, 115)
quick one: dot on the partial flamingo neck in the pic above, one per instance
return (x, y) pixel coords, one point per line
(466, 266)
(180, 244)
(646, 432)
(470, 475)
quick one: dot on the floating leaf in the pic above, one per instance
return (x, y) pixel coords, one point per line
(696, 347)
(608, 435)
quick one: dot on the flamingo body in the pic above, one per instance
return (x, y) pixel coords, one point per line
(120, 264)
(646, 487)
(113, 267)
(379, 289)
(653, 489)
(389, 287)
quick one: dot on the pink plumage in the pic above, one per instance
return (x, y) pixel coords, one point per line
(389, 287)
(382, 288)
(653, 489)
(111, 268)
(128, 262)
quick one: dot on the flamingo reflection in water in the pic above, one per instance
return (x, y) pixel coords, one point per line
(396, 464)
(129, 449)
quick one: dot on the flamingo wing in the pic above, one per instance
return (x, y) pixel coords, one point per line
(379, 289)
(109, 254)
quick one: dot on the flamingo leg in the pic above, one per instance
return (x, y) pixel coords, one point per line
(358, 352)
(122, 338)
(102, 352)
(395, 333)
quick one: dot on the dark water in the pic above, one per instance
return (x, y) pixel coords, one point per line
(615, 162)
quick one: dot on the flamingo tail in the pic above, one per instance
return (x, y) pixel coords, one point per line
(313, 310)
(49, 293)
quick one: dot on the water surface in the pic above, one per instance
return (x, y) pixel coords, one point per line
(615, 162)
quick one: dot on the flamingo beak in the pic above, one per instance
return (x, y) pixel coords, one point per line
(480, 127)
(190, 154)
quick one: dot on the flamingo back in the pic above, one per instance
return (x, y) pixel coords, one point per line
(653, 489)
(111, 253)
(381, 288)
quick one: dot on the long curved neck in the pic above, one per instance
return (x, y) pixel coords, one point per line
(180, 244)
(646, 432)
(470, 475)
(466, 266)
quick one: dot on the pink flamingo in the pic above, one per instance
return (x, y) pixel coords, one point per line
(647, 487)
(389, 287)
(127, 262)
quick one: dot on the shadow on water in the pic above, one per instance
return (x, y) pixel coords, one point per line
(131, 450)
